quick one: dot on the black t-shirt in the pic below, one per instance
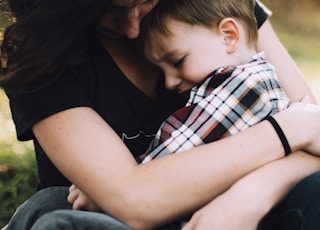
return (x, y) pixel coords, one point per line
(99, 84)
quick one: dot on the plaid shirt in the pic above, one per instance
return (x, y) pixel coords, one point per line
(232, 99)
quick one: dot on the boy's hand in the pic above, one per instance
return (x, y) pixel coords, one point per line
(80, 201)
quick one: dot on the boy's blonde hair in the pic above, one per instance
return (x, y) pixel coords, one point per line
(201, 12)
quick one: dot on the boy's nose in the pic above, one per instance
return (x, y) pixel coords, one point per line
(172, 82)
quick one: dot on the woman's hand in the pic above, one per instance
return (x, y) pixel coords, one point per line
(80, 201)
(232, 210)
(221, 214)
(301, 125)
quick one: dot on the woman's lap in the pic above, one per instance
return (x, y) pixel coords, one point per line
(300, 210)
(49, 209)
(80, 220)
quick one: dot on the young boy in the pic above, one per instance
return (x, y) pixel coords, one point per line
(206, 48)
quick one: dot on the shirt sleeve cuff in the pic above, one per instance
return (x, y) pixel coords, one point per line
(261, 12)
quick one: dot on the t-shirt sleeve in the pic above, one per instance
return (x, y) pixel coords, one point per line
(31, 106)
(261, 12)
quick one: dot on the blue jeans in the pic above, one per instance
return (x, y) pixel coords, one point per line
(48, 209)
(44, 201)
(68, 219)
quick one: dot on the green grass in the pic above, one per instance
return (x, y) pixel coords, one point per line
(305, 50)
(18, 172)
(18, 176)
(298, 27)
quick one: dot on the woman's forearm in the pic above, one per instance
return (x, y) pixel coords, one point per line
(167, 187)
(245, 204)
(212, 172)
(182, 183)
(272, 182)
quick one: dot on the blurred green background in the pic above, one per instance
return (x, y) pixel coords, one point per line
(297, 25)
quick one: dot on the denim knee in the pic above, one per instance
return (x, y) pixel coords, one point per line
(78, 220)
(42, 202)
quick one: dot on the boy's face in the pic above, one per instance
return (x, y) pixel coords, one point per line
(188, 55)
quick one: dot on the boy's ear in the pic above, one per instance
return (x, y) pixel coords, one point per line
(229, 29)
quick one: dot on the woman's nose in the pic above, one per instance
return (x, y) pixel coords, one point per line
(132, 31)
(131, 28)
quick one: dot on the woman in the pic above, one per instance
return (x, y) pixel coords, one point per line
(90, 87)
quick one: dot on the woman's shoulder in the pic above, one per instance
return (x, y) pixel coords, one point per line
(261, 12)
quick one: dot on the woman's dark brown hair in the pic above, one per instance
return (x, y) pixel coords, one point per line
(46, 37)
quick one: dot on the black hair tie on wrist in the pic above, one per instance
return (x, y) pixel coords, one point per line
(283, 139)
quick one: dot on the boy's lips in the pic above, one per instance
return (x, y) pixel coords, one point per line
(185, 93)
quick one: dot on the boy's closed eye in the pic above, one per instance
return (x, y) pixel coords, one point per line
(177, 62)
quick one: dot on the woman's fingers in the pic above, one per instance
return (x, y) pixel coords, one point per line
(306, 100)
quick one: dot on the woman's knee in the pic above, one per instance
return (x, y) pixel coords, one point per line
(40, 203)
(70, 219)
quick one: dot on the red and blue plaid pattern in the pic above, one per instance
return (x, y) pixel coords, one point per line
(232, 99)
